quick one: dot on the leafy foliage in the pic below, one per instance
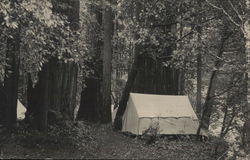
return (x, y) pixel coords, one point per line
(43, 33)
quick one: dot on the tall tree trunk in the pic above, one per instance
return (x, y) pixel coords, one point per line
(38, 100)
(247, 50)
(107, 54)
(31, 99)
(89, 104)
(91, 97)
(2, 103)
(42, 104)
(199, 85)
(61, 78)
(181, 78)
(199, 62)
(65, 99)
(154, 78)
(62, 93)
(11, 76)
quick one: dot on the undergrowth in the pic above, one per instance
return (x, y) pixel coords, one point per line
(66, 136)
(81, 140)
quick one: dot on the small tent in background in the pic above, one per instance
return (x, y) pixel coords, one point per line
(173, 114)
(20, 110)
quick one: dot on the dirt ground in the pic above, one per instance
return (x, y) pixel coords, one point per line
(104, 144)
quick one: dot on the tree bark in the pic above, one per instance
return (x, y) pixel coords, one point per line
(43, 99)
(199, 85)
(11, 77)
(2, 103)
(61, 78)
(246, 131)
(38, 100)
(63, 87)
(181, 78)
(91, 96)
(31, 99)
(89, 105)
(199, 62)
(154, 78)
(107, 54)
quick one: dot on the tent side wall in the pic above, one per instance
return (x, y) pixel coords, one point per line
(182, 125)
(146, 122)
(168, 125)
(130, 118)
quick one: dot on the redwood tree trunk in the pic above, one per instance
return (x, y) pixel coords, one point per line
(181, 78)
(246, 131)
(56, 102)
(199, 62)
(11, 74)
(2, 103)
(42, 104)
(107, 54)
(91, 96)
(62, 91)
(31, 99)
(89, 105)
(38, 100)
(154, 78)
(11, 78)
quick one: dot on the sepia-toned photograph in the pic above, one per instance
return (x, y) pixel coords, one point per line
(125, 79)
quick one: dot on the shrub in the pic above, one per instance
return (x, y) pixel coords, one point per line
(151, 134)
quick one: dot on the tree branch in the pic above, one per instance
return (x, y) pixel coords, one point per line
(228, 89)
(225, 12)
(235, 10)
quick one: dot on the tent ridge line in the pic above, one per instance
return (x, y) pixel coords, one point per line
(145, 94)
(166, 117)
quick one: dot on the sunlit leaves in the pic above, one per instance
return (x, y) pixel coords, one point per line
(44, 34)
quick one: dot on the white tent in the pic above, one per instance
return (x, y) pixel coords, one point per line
(173, 114)
(20, 110)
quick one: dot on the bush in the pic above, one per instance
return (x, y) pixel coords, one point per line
(151, 134)
(65, 134)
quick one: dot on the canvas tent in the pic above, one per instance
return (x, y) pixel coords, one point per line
(174, 115)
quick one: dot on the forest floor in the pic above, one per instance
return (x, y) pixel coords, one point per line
(81, 140)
